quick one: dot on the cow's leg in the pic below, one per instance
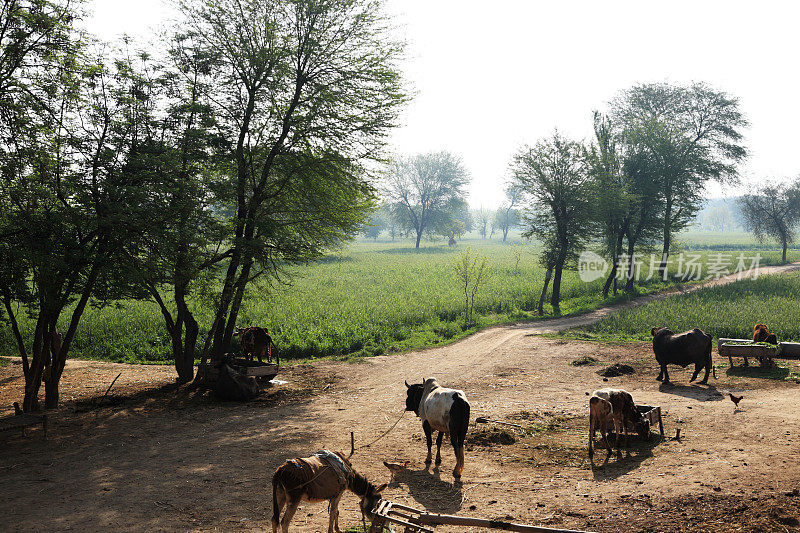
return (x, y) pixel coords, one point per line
(666, 374)
(260, 355)
(439, 448)
(291, 508)
(333, 517)
(591, 435)
(604, 434)
(428, 439)
(745, 361)
(705, 376)
(697, 368)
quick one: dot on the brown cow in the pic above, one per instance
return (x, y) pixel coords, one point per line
(614, 406)
(761, 334)
(323, 476)
(255, 341)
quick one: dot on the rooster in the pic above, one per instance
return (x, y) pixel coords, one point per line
(395, 468)
(735, 400)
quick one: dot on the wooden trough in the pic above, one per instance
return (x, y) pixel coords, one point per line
(745, 348)
(653, 414)
(417, 521)
(256, 369)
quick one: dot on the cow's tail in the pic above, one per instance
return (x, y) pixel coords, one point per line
(459, 424)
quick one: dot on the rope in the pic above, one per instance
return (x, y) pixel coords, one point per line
(382, 435)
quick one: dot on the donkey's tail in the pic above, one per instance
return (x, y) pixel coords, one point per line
(276, 512)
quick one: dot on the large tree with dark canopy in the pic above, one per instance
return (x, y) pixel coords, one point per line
(554, 180)
(305, 92)
(692, 135)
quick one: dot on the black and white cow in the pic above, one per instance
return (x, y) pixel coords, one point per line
(444, 410)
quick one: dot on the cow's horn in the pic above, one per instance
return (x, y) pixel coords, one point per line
(407, 385)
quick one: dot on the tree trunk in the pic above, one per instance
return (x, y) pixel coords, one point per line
(33, 380)
(547, 276)
(784, 248)
(237, 302)
(419, 236)
(184, 344)
(631, 269)
(662, 268)
(555, 295)
(612, 277)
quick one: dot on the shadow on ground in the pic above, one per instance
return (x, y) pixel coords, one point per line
(431, 491)
(608, 466)
(702, 393)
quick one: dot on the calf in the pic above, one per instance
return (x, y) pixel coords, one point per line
(683, 349)
(614, 406)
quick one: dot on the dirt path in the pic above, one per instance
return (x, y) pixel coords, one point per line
(163, 459)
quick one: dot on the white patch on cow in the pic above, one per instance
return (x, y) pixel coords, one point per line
(436, 403)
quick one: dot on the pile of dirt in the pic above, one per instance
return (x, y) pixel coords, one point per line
(585, 360)
(491, 435)
(615, 370)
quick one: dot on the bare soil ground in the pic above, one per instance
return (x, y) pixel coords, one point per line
(161, 458)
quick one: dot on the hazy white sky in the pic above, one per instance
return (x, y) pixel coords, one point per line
(491, 76)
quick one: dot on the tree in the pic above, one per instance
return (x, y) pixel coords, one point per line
(554, 180)
(718, 218)
(305, 93)
(428, 189)
(506, 216)
(472, 271)
(69, 198)
(773, 212)
(482, 216)
(377, 224)
(180, 149)
(692, 135)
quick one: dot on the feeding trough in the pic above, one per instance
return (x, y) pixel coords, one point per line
(256, 369)
(651, 413)
(745, 348)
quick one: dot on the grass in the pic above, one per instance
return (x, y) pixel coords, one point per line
(725, 311)
(368, 299)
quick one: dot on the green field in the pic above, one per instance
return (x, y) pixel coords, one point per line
(368, 299)
(726, 311)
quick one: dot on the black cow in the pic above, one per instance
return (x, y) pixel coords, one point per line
(683, 349)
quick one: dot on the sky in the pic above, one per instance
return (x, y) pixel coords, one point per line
(490, 77)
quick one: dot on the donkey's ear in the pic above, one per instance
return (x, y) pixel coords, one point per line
(382, 487)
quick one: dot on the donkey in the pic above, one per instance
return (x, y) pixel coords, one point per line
(444, 410)
(323, 476)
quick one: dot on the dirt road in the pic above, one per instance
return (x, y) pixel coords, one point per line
(163, 459)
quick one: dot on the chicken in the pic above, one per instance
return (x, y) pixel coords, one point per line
(395, 468)
(735, 399)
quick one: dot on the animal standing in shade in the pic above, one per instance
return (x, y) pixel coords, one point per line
(444, 410)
